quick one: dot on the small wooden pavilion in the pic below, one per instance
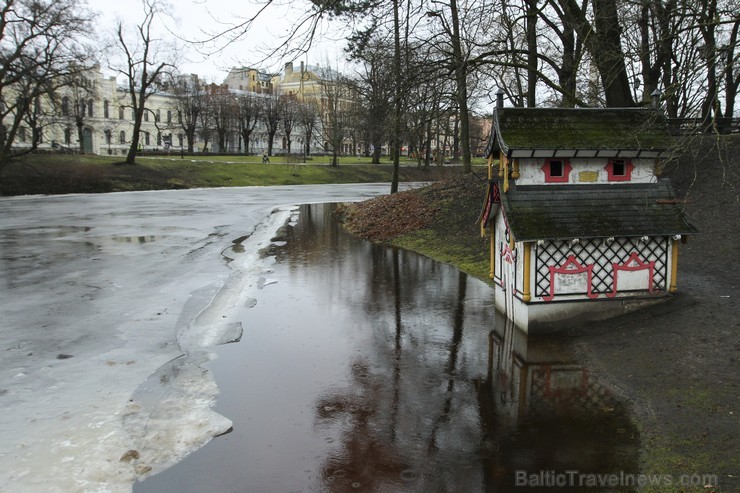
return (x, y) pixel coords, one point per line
(581, 227)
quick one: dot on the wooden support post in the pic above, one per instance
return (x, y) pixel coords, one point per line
(674, 268)
(526, 295)
(506, 175)
(492, 249)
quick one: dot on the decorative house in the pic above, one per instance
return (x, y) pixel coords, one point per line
(581, 227)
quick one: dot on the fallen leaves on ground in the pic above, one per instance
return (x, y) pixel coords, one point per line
(386, 217)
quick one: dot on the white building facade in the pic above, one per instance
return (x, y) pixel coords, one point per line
(102, 107)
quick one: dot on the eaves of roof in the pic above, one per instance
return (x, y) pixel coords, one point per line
(594, 211)
(579, 132)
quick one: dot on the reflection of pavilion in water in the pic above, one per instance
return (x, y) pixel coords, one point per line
(542, 411)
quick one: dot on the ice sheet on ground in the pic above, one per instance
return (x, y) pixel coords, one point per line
(109, 304)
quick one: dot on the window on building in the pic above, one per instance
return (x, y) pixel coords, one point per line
(106, 109)
(22, 134)
(619, 170)
(133, 115)
(67, 136)
(122, 137)
(90, 107)
(159, 138)
(147, 138)
(556, 170)
(179, 139)
(158, 116)
(65, 106)
(121, 115)
(179, 117)
(169, 116)
(108, 137)
(146, 116)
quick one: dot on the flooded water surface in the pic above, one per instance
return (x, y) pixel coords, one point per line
(367, 368)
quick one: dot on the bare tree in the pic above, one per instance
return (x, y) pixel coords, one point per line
(147, 61)
(290, 117)
(271, 116)
(308, 115)
(206, 122)
(398, 94)
(224, 114)
(375, 88)
(336, 99)
(731, 74)
(39, 51)
(249, 113)
(190, 102)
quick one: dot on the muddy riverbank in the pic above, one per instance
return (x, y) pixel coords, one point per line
(677, 362)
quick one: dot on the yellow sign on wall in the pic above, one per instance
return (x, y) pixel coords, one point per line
(588, 176)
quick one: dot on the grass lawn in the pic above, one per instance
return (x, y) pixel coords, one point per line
(56, 174)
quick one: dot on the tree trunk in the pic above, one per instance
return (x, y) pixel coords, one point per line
(603, 40)
(710, 107)
(531, 53)
(80, 135)
(133, 149)
(731, 80)
(397, 109)
(609, 55)
(567, 72)
(461, 79)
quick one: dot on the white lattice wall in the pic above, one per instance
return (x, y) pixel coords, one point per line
(639, 258)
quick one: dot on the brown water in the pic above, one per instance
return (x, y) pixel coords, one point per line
(366, 368)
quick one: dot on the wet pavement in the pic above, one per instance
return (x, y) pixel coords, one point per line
(368, 368)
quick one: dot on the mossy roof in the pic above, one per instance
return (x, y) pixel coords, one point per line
(594, 211)
(578, 128)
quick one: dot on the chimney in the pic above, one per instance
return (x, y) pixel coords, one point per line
(288, 69)
(500, 98)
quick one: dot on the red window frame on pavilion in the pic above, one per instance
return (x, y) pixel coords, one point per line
(619, 169)
(551, 168)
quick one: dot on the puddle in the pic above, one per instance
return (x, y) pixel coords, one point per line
(366, 368)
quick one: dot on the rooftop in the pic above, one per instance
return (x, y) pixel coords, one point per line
(594, 211)
(551, 129)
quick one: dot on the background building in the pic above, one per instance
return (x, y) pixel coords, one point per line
(94, 115)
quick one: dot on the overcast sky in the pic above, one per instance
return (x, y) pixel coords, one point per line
(192, 19)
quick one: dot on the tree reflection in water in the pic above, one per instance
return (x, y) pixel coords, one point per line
(369, 368)
(417, 416)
